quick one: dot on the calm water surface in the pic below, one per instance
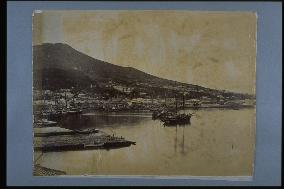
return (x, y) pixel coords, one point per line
(216, 143)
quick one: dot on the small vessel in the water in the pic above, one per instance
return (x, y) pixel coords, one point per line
(172, 117)
(177, 119)
(118, 144)
(160, 114)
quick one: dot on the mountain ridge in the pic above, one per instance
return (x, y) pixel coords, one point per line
(61, 58)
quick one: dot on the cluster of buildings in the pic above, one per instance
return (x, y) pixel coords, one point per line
(47, 100)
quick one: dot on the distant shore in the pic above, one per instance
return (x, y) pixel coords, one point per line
(215, 106)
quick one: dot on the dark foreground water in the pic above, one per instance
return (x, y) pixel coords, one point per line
(216, 143)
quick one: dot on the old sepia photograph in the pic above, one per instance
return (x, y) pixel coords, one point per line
(164, 93)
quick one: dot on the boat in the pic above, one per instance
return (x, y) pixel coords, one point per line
(160, 114)
(176, 118)
(118, 144)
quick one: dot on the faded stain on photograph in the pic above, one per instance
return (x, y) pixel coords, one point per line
(144, 93)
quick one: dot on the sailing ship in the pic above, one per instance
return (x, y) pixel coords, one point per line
(170, 118)
(177, 119)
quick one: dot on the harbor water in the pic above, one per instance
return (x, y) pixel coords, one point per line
(217, 142)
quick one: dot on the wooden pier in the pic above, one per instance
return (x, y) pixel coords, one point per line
(70, 140)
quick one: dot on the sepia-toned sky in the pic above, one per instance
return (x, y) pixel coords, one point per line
(211, 49)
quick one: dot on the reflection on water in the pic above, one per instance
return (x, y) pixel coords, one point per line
(218, 142)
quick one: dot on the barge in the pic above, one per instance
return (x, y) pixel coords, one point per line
(60, 139)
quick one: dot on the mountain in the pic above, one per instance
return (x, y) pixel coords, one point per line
(63, 57)
(58, 66)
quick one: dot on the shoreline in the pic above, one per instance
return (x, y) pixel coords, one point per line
(148, 111)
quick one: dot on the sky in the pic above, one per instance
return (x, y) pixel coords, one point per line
(210, 49)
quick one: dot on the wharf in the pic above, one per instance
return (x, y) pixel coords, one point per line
(68, 140)
(54, 131)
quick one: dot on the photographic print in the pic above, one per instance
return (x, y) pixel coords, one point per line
(144, 93)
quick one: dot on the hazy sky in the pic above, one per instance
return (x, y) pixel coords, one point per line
(211, 49)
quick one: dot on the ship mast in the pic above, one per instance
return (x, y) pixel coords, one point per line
(165, 99)
(183, 101)
(176, 104)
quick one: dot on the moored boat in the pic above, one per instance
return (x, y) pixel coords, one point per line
(178, 119)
